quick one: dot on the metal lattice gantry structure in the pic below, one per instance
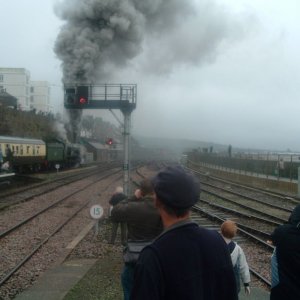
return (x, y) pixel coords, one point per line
(106, 96)
(100, 96)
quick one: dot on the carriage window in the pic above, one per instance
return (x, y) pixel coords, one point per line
(7, 148)
(37, 149)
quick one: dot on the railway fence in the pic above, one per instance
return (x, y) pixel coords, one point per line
(280, 166)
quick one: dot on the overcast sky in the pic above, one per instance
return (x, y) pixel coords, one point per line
(223, 71)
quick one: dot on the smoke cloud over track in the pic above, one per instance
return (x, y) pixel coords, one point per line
(101, 36)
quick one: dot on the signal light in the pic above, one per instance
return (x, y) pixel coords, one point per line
(82, 100)
(77, 96)
(109, 141)
(82, 94)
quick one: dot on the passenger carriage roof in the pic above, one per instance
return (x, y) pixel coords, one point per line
(17, 140)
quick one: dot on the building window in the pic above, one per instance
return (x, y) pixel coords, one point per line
(1, 77)
(31, 99)
(27, 149)
(31, 89)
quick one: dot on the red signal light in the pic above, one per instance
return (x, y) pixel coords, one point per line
(109, 141)
(82, 100)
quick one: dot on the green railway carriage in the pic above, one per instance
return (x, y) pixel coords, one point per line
(23, 152)
(55, 153)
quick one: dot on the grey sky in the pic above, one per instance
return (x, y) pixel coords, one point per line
(225, 72)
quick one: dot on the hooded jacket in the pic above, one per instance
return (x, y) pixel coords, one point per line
(286, 238)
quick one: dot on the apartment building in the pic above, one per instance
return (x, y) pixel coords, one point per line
(16, 82)
(30, 94)
(40, 96)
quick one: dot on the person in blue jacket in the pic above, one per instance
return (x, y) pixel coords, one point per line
(186, 262)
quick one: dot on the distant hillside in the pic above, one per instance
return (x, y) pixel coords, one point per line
(177, 145)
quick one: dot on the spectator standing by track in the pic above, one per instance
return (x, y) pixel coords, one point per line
(286, 239)
(143, 224)
(116, 198)
(238, 258)
(186, 262)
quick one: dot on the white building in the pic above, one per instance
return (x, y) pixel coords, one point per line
(30, 94)
(40, 96)
(16, 81)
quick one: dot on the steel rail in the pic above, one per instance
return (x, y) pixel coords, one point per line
(13, 228)
(27, 257)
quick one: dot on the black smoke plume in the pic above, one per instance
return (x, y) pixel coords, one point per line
(99, 36)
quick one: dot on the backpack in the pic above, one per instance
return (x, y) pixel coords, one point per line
(133, 249)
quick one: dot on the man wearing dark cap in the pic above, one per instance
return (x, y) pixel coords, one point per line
(186, 261)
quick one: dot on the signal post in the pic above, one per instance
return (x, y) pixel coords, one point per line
(106, 96)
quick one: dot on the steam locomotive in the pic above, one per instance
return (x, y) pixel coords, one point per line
(26, 154)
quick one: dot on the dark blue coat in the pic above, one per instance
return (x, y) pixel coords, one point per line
(186, 262)
(286, 238)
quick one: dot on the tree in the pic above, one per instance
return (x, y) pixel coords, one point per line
(87, 125)
(26, 124)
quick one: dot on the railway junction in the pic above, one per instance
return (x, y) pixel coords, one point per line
(81, 264)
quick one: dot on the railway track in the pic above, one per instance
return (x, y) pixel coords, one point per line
(256, 211)
(21, 242)
(244, 204)
(283, 198)
(272, 207)
(26, 193)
